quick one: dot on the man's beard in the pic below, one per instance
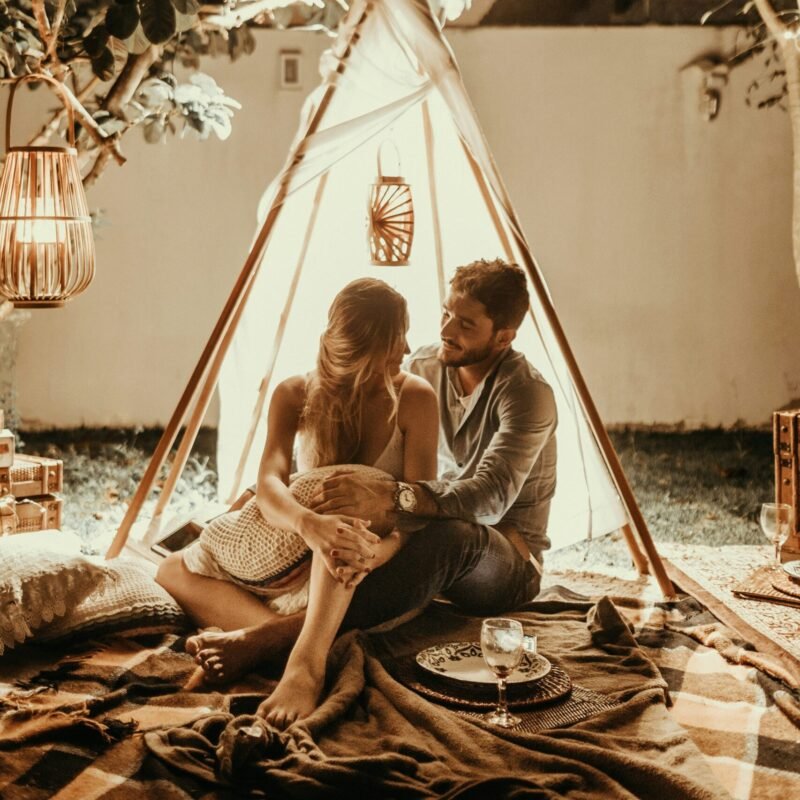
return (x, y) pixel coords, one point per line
(466, 358)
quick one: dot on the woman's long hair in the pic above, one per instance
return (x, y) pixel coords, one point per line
(366, 322)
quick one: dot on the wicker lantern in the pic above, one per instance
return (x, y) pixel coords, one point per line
(391, 219)
(46, 243)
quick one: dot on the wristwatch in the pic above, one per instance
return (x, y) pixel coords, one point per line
(405, 501)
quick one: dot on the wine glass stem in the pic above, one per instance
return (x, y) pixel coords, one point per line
(502, 703)
(778, 552)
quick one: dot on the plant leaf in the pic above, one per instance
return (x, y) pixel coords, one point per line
(154, 131)
(96, 42)
(138, 42)
(121, 20)
(103, 65)
(158, 20)
(186, 6)
(120, 54)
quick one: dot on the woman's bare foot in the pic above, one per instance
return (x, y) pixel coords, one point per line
(227, 655)
(295, 697)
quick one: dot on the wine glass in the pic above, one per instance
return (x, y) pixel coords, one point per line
(501, 645)
(776, 521)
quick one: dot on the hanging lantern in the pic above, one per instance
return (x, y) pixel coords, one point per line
(391, 219)
(46, 243)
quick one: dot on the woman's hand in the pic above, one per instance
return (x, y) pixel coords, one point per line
(339, 541)
(388, 547)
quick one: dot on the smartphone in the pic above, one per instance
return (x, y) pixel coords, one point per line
(178, 539)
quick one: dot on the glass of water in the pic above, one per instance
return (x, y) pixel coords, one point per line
(501, 645)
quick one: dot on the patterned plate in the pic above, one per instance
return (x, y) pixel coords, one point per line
(556, 685)
(792, 569)
(463, 662)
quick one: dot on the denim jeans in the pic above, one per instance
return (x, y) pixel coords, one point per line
(471, 565)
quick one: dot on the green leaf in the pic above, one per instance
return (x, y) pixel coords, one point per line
(186, 6)
(154, 131)
(138, 42)
(158, 20)
(184, 22)
(103, 65)
(120, 54)
(96, 42)
(121, 20)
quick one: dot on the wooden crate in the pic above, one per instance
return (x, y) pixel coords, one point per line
(38, 514)
(31, 476)
(786, 437)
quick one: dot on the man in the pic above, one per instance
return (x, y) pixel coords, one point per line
(497, 446)
(481, 528)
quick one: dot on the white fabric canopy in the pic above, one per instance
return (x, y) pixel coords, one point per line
(398, 68)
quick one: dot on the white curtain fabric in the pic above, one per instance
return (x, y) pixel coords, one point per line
(398, 61)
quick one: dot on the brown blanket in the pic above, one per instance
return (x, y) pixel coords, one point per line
(373, 737)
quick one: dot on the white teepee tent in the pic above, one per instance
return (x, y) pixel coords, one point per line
(390, 76)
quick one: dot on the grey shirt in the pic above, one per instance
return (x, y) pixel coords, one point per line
(497, 447)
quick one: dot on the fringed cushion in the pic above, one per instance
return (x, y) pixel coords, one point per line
(36, 586)
(256, 553)
(133, 603)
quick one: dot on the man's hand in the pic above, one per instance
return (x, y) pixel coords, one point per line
(342, 493)
(340, 540)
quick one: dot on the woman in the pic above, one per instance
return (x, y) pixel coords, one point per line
(357, 407)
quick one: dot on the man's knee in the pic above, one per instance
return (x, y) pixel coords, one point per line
(456, 533)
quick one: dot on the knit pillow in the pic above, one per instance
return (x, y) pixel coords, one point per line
(38, 585)
(256, 553)
(133, 603)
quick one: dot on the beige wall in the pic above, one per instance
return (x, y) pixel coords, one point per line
(665, 239)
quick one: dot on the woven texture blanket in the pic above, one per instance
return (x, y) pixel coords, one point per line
(113, 722)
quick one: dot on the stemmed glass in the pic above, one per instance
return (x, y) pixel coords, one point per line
(501, 645)
(776, 522)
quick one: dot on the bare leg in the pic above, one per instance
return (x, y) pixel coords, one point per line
(298, 691)
(253, 634)
(208, 601)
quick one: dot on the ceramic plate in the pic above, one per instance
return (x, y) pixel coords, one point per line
(792, 569)
(463, 661)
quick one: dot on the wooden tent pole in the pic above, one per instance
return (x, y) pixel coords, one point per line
(276, 346)
(639, 558)
(595, 422)
(437, 230)
(245, 276)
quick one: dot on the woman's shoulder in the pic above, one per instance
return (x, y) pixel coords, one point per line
(417, 396)
(292, 391)
(415, 387)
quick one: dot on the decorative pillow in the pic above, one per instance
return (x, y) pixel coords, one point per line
(133, 603)
(257, 553)
(38, 585)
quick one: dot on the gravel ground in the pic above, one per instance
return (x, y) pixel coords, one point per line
(702, 487)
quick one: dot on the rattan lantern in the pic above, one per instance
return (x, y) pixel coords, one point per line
(391, 219)
(46, 242)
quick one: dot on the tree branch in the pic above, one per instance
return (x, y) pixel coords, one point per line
(100, 163)
(93, 129)
(42, 22)
(133, 73)
(50, 127)
(767, 11)
(54, 30)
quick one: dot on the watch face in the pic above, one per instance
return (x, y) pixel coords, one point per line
(406, 499)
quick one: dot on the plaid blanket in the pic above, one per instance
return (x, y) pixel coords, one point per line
(740, 716)
(76, 730)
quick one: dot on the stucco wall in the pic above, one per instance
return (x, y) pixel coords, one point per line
(665, 239)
